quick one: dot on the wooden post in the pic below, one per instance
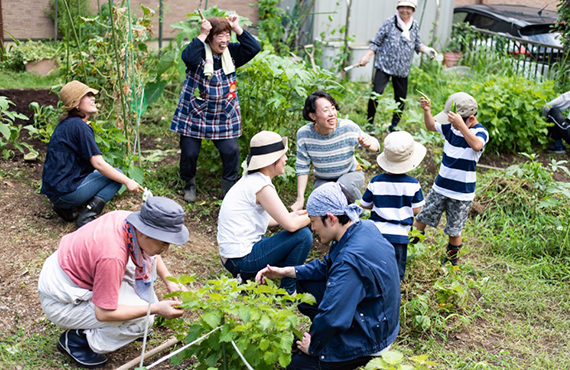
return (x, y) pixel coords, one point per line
(1, 34)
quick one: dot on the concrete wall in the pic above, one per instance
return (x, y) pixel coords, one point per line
(25, 19)
(549, 4)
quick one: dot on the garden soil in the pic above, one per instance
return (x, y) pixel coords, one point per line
(30, 232)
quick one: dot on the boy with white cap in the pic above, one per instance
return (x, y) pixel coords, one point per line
(394, 197)
(454, 187)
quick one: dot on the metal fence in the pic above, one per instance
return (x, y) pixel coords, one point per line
(533, 60)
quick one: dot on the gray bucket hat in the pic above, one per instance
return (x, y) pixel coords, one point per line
(162, 219)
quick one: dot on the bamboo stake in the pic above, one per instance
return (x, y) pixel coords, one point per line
(129, 365)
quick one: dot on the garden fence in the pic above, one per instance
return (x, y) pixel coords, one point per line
(533, 60)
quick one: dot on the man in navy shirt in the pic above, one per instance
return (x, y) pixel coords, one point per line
(356, 285)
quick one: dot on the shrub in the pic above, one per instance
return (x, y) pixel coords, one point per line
(30, 51)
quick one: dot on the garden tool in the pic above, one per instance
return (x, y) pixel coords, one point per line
(310, 53)
(147, 194)
(346, 69)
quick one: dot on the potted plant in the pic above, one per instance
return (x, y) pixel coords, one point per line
(32, 56)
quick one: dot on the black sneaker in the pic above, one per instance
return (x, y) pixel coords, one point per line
(190, 194)
(74, 344)
(556, 149)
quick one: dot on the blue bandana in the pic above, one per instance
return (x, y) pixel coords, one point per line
(329, 198)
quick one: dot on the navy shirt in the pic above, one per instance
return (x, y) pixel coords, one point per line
(359, 314)
(69, 152)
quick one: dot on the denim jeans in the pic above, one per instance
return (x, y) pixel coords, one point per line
(282, 249)
(95, 184)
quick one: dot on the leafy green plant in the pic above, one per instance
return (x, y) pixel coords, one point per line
(394, 360)
(259, 319)
(46, 118)
(10, 132)
(29, 51)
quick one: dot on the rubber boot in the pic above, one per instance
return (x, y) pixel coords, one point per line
(226, 186)
(67, 214)
(452, 254)
(190, 191)
(93, 208)
(74, 344)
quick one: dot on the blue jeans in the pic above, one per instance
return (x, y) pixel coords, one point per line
(95, 184)
(282, 249)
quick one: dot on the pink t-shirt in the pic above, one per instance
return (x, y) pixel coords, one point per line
(95, 257)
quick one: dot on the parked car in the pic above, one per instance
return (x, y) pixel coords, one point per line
(527, 22)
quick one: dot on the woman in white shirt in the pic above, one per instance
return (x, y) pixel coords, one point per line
(251, 206)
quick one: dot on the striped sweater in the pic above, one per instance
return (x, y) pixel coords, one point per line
(331, 155)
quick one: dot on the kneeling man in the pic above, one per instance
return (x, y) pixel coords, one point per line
(356, 285)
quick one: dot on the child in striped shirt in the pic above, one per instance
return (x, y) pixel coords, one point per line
(394, 197)
(454, 187)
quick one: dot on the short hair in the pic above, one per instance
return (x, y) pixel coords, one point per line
(311, 106)
(342, 219)
(219, 25)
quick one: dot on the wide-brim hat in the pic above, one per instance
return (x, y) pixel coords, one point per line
(265, 148)
(162, 219)
(410, 3)
(466, 106)
(72, 93)
(401, 153)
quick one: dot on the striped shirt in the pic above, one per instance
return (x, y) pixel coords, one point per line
(457, 177)
(332, 155)
(393, 198)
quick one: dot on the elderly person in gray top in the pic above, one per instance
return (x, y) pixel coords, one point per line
(394, 45)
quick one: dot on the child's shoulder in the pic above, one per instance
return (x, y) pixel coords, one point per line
(394, 178)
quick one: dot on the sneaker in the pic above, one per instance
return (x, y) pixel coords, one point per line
(393, 128)
(74, 344)
(556, 149)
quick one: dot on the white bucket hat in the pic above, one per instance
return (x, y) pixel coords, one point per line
(410, 3)
(265, 148)
(466, 106)
(401, 153)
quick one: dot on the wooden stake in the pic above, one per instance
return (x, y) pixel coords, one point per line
(162, 347)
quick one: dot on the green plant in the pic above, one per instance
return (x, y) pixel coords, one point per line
(10, 132)
(394, 360)
(30, 51)
(46, 118)
(77, 9)
(259, 319)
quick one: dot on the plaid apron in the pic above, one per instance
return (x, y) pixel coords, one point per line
(208, 108)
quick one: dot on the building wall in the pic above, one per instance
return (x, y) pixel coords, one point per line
(549, 4)
(26, 19)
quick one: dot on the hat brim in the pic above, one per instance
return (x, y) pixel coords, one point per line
(405, 166)
(260, 161)
(83, 93)
(410, 4)
(177, 238)
(441, 117)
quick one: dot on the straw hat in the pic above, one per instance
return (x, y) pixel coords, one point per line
(401, 153)
(162, 219)
(265, 148)
(72, 93)
(410, 3)
(466, 106)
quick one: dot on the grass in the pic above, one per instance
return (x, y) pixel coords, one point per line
(21, 80)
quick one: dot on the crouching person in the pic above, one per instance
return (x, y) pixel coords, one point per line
(98, 283)
(356, 285)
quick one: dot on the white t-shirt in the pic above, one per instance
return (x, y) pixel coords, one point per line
(242, 222)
